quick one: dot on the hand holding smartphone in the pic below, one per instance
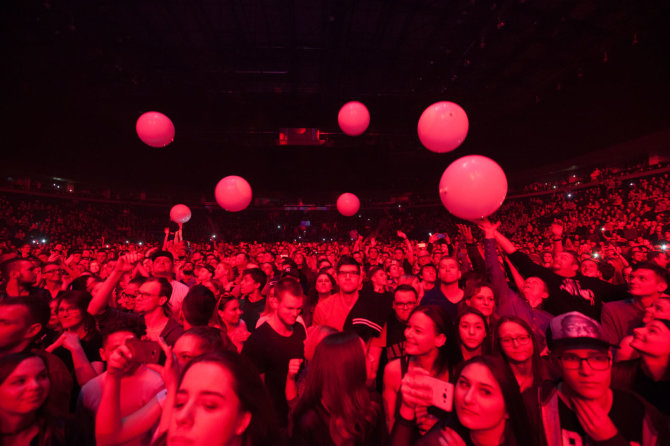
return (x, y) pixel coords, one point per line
(144, 352)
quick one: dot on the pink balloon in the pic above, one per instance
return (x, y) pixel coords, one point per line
(473, 187)
(233, 193)
(443, 126)
(353, 118)
(180, 213)
(155, 129)
(348, 204)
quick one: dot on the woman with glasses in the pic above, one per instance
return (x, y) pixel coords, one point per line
(80, 344)
(519, 348)
(430, 344)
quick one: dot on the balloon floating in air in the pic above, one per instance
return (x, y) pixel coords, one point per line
(473, 187)
(443, 127)
(233, 193)
(348, 204)
(155, 129)
(353, 118)
(180, 213)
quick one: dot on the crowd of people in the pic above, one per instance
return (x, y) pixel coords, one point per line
(547, 325)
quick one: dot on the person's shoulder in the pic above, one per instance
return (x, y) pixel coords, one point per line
(179, 287)
(618, 305)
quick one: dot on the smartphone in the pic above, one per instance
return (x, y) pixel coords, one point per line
(443, 393)
(421, 245)
(144, 352)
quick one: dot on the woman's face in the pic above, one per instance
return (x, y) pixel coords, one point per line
(421, 336)
(94, 267)
(478, 399)
(483, 301)
(69, 315)
(515, 342)
(323, 284)
(206, 408)
(25, 389)
(231, 312)
(472, 331)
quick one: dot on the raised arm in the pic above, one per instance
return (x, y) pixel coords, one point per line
(100, 300)
(557, 237)
(408, 247)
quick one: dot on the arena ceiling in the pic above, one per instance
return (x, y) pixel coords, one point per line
(542, 81)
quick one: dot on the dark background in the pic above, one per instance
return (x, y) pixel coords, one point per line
(542, 82)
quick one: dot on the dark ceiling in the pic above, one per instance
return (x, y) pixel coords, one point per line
(541, 80)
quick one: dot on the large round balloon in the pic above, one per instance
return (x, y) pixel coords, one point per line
(233, 193)
(353, 118)
(155, 129)
(348, 204)
(443, 126)
(180, 213)
(473, 187)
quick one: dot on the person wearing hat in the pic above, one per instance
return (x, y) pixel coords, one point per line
(582, 408)
(648, 375)
(163, 266)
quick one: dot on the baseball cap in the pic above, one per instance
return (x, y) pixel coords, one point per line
(158, 254)
(575, 330)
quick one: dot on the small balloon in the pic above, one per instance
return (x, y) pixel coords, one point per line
(473, 187)
(233, 193)
(348, 204)
(155, 129)
(443, 127)
(180, 213)
(353, 118)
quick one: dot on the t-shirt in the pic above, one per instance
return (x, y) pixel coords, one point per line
(251, 311)
(271, 353)
(367, 316)
(136, 391)
(91, 347)
(437, 297)
(332, 311)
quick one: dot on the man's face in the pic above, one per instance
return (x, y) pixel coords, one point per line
(27, 273)
(429, 274)
(288, 309)
(643, 282)
(652, 339)
(589, 268)
(114, 341)
(162, 266)
(14, 325)
(395, 270)
(534, 289)
(547, 258)
(639, 256)
(349, 278)
(578, 327)
(149, 298)
(373, 254)
(579, 375)
(448, 271)
(423, 257)
(247, 284)
(101, 257)
(404, 303)
(564, 263)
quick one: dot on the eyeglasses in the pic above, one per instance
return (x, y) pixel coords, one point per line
(521, 340)
(128, 296)
(51, 271)
(404, 305)
(596, 362)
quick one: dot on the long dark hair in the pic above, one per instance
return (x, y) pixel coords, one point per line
(254, 398)
(449, 355)
(537, 365)
(486, 342)
(80, 300)
(48, 432)
(516, 427)
(336, 381)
